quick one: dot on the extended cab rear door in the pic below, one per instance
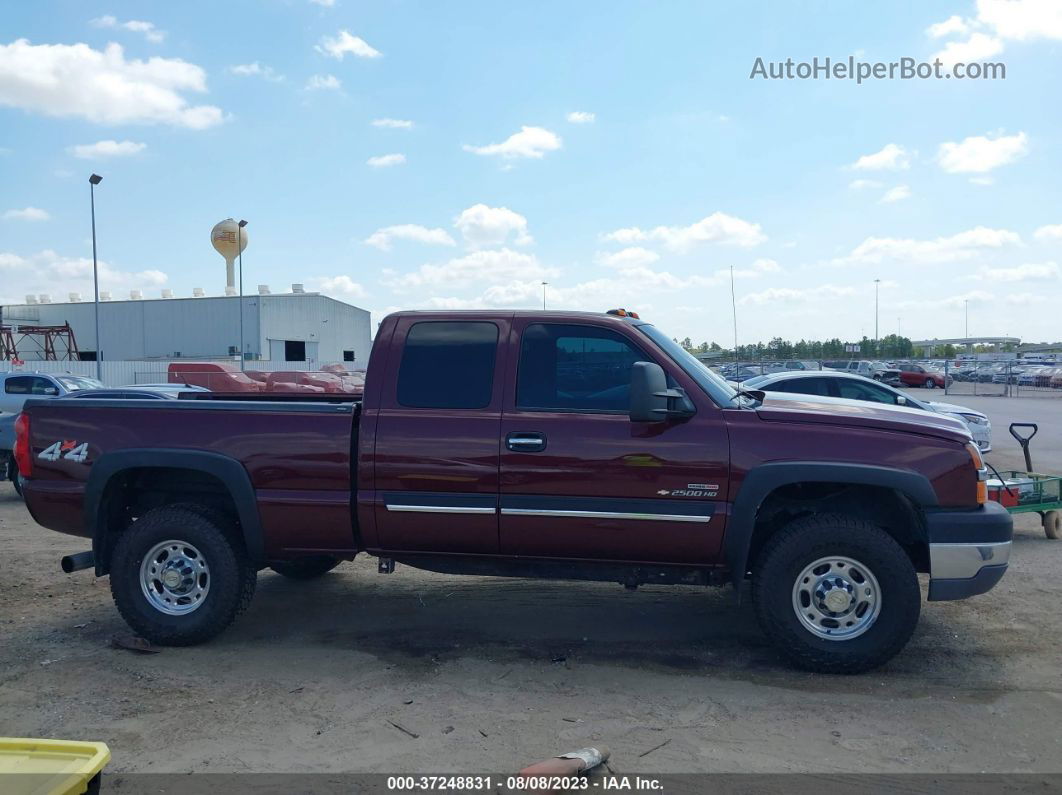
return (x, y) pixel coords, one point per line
(578, 478)
(436, 450)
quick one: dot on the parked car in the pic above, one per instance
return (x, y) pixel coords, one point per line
(17, 386)
(8, 467)
(528, 444)
(856, 387)
(879, 371)
(920, 375)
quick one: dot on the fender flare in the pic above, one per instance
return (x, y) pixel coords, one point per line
(762, 480)
(229, 471)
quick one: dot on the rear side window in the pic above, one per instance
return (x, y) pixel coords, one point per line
(575, 368)
(805, 386)
(448, 365)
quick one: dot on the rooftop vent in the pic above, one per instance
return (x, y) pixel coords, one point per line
(297, 288)
(263, 289)
(44, 298)
(31, 299)
(75, 298)
(105, 295)
(135, 295)
(167, 293)
(197, 292)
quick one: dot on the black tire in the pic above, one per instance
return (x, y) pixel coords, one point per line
(231, 576)
(930, 383)
(804, 541)
(307, 568)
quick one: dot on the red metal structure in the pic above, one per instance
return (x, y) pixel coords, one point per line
(43, 343)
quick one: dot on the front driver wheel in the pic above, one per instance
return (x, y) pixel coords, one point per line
(836, 594)
(307, 568)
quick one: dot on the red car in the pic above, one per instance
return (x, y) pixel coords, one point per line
(917, 375)
(558, 445)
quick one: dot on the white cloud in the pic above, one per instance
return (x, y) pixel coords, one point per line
(953, 24)
(982, 181)
(1026, 299)
(325, 3)
(774, 295)
(581, 117)
(102, 86)
(978, 154)
(148, 29)
(382, 238)
(338, 285)
(531, 142)
(633, 256)
(383, 161)
(323, 83)
(27, 214)
(394, 124)
(899, 193)
(1022, 19)
(482, 226)
(477, 267)
(109, 148)
(1030, 272)
(715, 228)
(256, 69)
(891, 157)
(48, 272)
(1049, 232)
(961, 246)
(976, 48)
(344, 44)
(949, 302)
(860, 184)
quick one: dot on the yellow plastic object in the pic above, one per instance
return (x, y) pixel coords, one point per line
(49, 767)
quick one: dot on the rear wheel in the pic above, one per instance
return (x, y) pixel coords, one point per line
(307, 568)
(930, 383)
(1053, 524)
(836, 594)
(179, 577)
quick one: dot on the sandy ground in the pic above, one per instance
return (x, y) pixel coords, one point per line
(492, 674)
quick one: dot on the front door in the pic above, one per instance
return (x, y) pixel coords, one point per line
(579, 479)
(436, 454)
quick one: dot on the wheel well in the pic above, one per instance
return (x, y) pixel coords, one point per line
(131, 493)
(888, 508)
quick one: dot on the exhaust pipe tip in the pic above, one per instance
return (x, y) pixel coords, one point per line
(82, 560)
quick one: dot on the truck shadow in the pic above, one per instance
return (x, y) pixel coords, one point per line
(417, 621)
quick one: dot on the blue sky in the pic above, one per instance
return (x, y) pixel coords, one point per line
(678, 167)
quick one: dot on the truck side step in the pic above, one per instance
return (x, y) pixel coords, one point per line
(385, 565)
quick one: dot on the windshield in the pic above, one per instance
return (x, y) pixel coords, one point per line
(76, 383)
(717, 388)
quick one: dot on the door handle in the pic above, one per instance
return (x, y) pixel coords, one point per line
(524, 442)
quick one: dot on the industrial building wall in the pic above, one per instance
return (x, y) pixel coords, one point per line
(327, 327)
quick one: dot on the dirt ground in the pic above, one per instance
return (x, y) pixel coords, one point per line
(491, 674)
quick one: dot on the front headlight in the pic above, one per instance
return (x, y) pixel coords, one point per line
(975, 419)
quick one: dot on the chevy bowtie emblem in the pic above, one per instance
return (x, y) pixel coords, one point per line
(663, 492)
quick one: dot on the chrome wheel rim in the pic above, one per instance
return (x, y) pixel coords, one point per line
(175, 578)
(837, 598)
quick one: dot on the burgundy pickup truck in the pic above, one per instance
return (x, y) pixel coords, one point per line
(530, 444)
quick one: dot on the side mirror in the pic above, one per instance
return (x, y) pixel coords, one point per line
(901, 400)
(651, 400)
(51, 390)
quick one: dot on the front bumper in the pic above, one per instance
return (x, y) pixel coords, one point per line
(968, 550)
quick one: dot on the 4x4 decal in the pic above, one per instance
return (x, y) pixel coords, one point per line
(68, 449)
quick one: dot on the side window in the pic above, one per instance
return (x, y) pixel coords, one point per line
(575, 368)
(806, 386)
(42, 386)
(854, 390)
(18, 385)
(448, 365)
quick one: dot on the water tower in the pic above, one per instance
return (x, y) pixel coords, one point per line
(229, 239)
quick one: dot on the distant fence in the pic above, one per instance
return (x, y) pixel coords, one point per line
(153, 371)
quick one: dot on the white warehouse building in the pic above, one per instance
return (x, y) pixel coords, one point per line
(282, 327)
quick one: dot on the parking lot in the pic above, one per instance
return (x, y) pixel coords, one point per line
(491, 674)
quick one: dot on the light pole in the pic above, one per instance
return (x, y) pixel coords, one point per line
(544, 295)
(239, 248)
(95, 180)
(876, 283)
(966, 312)
(733, 309)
